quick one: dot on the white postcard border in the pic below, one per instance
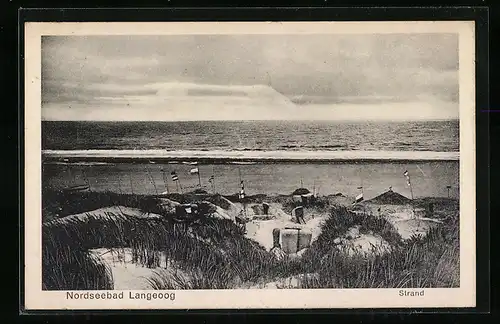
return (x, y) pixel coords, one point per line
(465, 296)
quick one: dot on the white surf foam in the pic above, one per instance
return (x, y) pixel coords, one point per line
(256, 155)
(83, 163)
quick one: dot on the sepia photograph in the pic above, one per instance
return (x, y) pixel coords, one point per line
(253, 161)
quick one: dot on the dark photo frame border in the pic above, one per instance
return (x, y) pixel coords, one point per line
(479, 15)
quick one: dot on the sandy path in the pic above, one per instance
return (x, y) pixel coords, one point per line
(410, 227)
(261, 231)
(367, 242)
(126, 274)
(407, 225)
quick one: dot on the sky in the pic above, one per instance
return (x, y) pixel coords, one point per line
(234, 77)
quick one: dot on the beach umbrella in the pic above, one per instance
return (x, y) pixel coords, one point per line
(301, 191)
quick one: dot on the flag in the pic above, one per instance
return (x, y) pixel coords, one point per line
(407, 177)
(194, 171)
(174, 176)
(242, 191)
(359, 198)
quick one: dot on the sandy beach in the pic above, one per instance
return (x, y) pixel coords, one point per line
(428, 178)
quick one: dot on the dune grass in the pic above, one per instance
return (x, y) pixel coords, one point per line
(208, 244)
(420, 262)
(431, 261)
(214, 249)
(214, 254)
(66, 267)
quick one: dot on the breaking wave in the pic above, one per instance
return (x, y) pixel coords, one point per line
(253, 155)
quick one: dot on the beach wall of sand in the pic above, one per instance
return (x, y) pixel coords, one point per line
(429, 179)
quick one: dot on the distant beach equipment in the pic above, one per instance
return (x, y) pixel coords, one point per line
(298, 213)
(77, 188)
(184, 210)
(265, 207)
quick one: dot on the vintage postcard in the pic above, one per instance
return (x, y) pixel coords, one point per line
(249, 165)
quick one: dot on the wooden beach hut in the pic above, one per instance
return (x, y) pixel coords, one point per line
(390, 197)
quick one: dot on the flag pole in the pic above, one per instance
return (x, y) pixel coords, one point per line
(70, 176)
(362, 196)
(408, 179)
(242, 193)
(119, 185)
(88, 182)
(152, 180)
(180, 184)
(199, 177)
(177, 180)
(362, 187)
(411, 189)
(412, 201)
(213, 178)
(131, 185)
(121, 193)
(165, 180)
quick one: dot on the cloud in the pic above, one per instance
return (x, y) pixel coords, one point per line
(175, 102)
(304, 69)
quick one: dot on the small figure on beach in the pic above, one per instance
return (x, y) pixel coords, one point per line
(276, 250)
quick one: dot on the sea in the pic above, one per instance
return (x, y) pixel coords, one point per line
(434, 178)
(436, 136)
